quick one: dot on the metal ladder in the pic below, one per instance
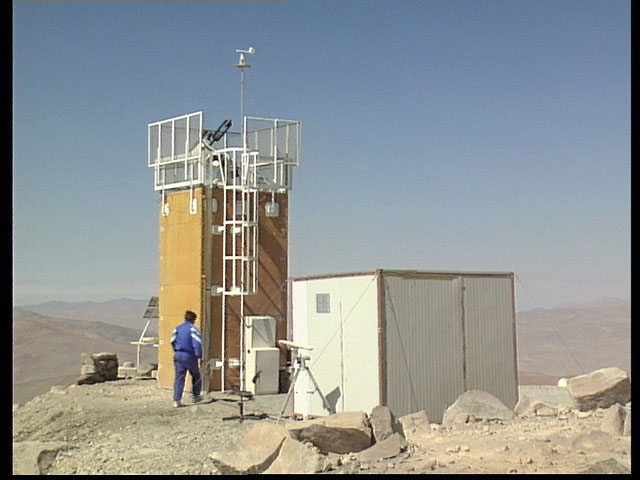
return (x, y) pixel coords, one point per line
(240, 237)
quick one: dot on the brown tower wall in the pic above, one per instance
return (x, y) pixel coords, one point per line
(191, 263)
(181, 260)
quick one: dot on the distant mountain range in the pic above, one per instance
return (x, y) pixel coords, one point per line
(47, 350)
(575, 338)
(48, 339)
(124, 312)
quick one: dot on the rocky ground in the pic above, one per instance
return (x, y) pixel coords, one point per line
(130, 427)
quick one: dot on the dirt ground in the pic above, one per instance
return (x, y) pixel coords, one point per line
(130, 427)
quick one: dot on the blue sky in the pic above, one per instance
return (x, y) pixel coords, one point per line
(437, 135)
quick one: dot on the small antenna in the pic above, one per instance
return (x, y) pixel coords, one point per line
(242, 64)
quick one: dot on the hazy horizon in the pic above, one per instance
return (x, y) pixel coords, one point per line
(603, 301)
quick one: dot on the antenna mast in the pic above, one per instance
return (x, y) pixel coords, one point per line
(242, 64)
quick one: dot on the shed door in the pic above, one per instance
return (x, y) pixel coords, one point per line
(490, 337)
(424, 344)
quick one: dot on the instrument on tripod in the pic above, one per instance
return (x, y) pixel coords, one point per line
(300, 363)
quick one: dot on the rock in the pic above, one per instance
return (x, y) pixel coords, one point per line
(476, 404)
(88, 369)
(145, 369)
(35, 458)
(381, 421)
(541, 409)
(333, 461)
(58, 389)
(127, 372)
(562, 382)
(613, 420)
(358, 420)
(601, 388)
(333, 439)
(257, 450)
(413, 420)
(527, 407)
(105, 356)
(594, 440)
(295, 457)
(89, 379)
(416, 428)
(626, 429)
(609, 465)
(98, 367)
(387, 448)
(580, 414)
(342, 432)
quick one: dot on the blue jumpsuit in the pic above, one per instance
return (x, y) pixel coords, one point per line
(187, 345)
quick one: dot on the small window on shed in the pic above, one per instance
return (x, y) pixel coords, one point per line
(323, 303)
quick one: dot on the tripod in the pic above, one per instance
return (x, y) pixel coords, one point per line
(300, 364)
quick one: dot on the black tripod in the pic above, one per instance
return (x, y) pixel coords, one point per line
(244, 395)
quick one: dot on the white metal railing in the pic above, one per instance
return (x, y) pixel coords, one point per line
(175, 152)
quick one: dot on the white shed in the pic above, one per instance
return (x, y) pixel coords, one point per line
(410, 340)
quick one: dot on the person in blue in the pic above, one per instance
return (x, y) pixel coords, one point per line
(187, 346)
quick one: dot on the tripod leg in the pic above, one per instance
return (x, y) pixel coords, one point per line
(293, 383)
(324, 400)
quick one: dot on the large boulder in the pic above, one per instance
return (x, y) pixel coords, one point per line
(254, 453)
(296, 457)
(344, 432)
(601, 388)
(476, 405)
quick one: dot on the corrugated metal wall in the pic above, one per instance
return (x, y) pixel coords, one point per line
(446, 334)
(490, 337)
(424, 353)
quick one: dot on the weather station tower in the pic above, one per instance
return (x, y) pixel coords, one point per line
(223, 238)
